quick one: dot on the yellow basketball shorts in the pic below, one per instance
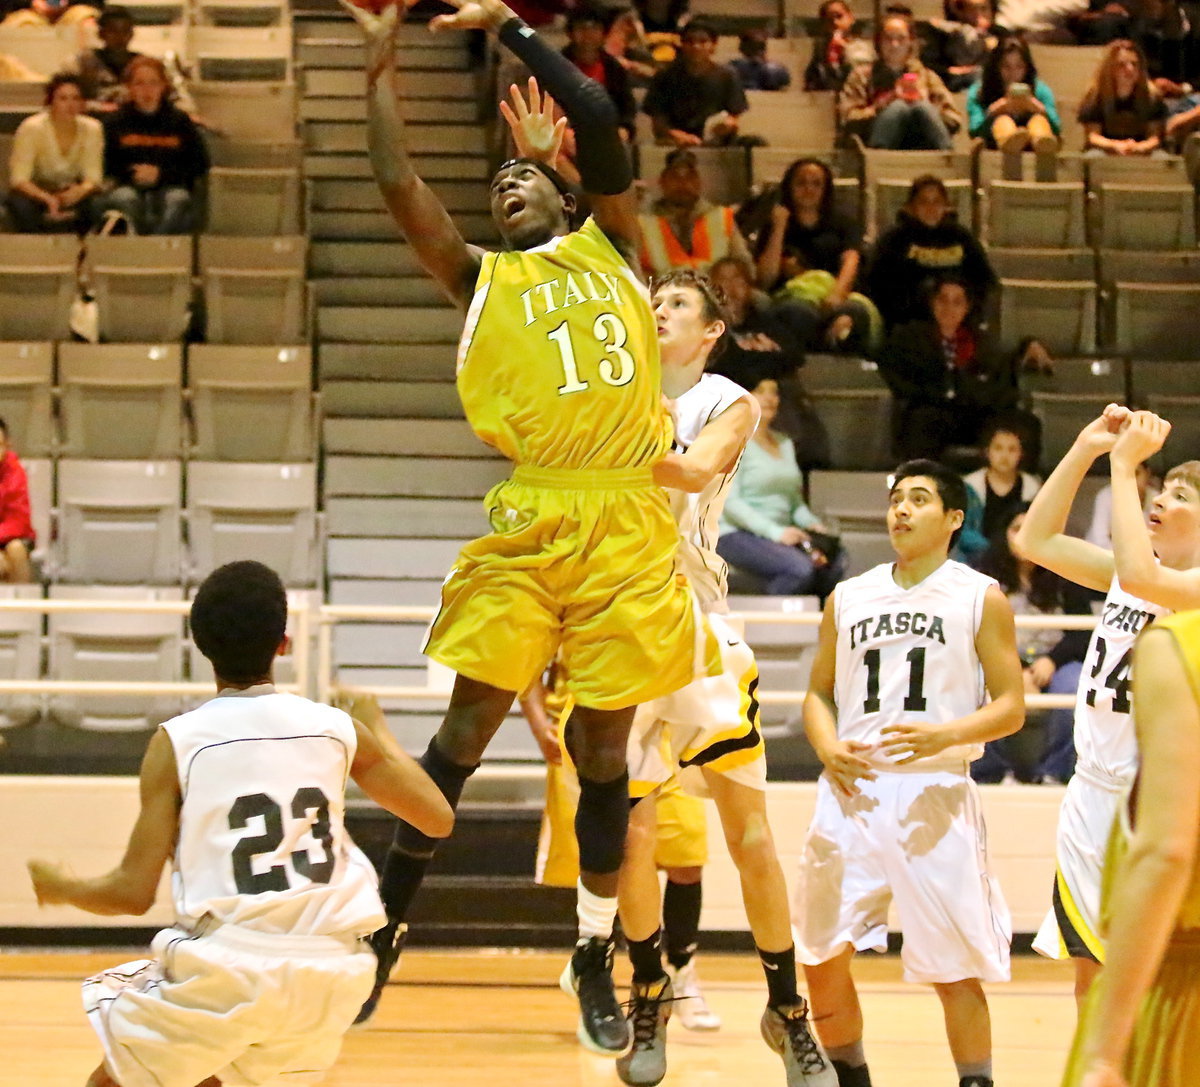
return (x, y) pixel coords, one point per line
(582, 564)
(682, 829)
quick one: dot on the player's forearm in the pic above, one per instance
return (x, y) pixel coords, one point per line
(677, 473)
(1051, 506)
(1146, 901)
(114, 894)
(820, 723)
(1133, 553)
(385, 132)
(999, 718)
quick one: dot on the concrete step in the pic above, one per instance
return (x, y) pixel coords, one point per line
(445, 86)
(344, 165)
(416, 110)
(404, 438)
(391, 325)
(402, 399)
(365, 225)
(382, 517)
(418, 290)
(412, 477)
(338, 53)
(388, 362)
(338, 258)
(338, 194)
(437, 139)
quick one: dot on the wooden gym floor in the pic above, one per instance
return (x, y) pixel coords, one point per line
(497, 1018)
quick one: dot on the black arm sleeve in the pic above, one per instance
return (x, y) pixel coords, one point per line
(600, 156)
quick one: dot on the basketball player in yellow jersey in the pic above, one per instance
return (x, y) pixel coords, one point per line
(1140, 1025)
(558, 368)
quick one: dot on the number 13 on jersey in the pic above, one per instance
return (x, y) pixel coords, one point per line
(610, 333)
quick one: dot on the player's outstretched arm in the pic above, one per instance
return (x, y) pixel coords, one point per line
(600, 155)
(715, 450)
(1043, 538)
(996, 648)
(1153, 877)
(842, 759)
(537, 132)
(132, 886)
(425, 224)
(398, 784)
(1137, 569)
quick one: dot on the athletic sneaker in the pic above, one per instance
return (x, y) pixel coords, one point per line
(386, 943)
(786, 1031)
(975, 1081)
(602, 1026)
(649, 1009)
(691, 1007)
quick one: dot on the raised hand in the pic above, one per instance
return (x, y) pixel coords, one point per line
(1141, 439)
(535, 131)
(379, 33)
(473, 15)
(1100, 435)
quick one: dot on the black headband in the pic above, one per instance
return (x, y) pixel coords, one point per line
(556, 179)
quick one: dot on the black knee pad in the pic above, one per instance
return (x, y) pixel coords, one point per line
(450, 778)
(601, 822)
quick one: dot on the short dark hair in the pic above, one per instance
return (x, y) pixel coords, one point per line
(239, 619)
(1001, 426)
(60, 79)
(587, 16)
(950, 486)
(711, 296)
(113, 14)
(698, 26)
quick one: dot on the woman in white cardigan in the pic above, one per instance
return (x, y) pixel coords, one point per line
(57, 164)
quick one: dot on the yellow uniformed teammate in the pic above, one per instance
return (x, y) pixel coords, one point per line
(558, 369)
(1140, 1025)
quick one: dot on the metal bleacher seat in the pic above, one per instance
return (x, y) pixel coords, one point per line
(1061, 314)
(20, 655)
(1066, 265)
(39, 475)
(26, 379)
(724, 171)
(1145, 217)
(855, 406)
(248, 111)
(894, 172)
(857, 503)
(1172, 389)
(254, 289)
(119, 522)
(232, 53)
(1040, 215)
(993, 166)
(253, 202)
(1149, 266)
(121, 401)
(778, 116)
(1072, 396)
(38, 279)
(143, 286)
(266, 512)
(251, 403)
(115, 647)
(1154, 320)
(239, 13)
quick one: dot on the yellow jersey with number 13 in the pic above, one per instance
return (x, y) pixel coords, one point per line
(558, 363)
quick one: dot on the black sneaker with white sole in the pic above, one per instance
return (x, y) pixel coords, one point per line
(603, 1027)
(387, 943)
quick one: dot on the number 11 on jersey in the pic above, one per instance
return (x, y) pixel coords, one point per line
(914, 700)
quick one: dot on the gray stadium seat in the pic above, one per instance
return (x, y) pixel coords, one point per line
(254, 289)
(855, 405)
(115, 647)
(997, 166)
(26, 378)
(121, 400)
(1147, 217)
(1071, 397)
(1151, 266)
(143, 287)
(251, 403)
(1156, 320)
(1171, 389)
(1035, 215)
(39, 474)
(38, 281)
(254, 511)
(1062, 315)
(778, 116)
(119, 522)
(253, 202)
(20, 655)
(248, 111)
(1066, 265)
(229, 53)
(858, 500)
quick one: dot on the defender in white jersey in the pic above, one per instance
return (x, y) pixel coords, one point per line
(896, 709)
(267, 962)
(1150, 572)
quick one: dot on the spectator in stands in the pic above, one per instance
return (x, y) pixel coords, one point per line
(100, 70)
(1122, 112)
(810, 254)
(754, 71)
(1000, 485)
(684, 230)
(766, 529)
(837, 48)
(1009, 107)
(627, 44)
(694, 100)
(897, 102)
(57, 164)
(1100, 529)
(43, 13)
(949, 381)
(759, 345)
(586, 30)
(1052, 660)
(661, 16)
(961, 42)
(154, 153)
(1183, 114)
(926, 241)
(16, 529)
